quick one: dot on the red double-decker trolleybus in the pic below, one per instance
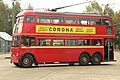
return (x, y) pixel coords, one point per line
(48, 37)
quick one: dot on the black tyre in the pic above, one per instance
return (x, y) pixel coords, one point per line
(16, 64)
(96, 59)
(26, 61)
(84, 59)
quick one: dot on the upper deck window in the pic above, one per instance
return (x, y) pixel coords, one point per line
(95, 22)
(106, 22)
(57, 20)
(30, 19)
(44, 19)
(83, 21)
(71, 21)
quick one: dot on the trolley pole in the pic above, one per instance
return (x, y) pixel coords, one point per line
(13, 15)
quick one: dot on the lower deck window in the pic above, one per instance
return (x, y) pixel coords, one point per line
(96, 42)
(28, 41)
(58, 42)
(63, 42)
(44, 42)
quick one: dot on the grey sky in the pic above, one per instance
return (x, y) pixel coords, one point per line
(114, 4)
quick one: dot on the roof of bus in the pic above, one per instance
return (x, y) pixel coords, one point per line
(33, 12)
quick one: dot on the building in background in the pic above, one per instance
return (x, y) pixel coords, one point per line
(5, 42)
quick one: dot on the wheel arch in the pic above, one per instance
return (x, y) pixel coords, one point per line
(28, 53)
(84, 53)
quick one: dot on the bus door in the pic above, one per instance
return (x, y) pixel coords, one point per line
(108, 50)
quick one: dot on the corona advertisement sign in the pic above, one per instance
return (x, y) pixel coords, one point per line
(65, 29)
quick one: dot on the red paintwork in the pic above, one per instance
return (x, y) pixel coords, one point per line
(56, 54)
(59, 54)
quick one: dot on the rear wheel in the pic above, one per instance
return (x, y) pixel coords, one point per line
(26, 61)
(96, 59)
(84, 59)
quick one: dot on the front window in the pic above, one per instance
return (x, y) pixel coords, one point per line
(19, 19)
(30, 19)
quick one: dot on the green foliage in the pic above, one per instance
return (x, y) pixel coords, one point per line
(6, 16)
(116, 19)
(17, 8)
(3, 16)
(94, 8)
(108, 10)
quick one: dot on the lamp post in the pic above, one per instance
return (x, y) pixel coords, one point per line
(13, 17)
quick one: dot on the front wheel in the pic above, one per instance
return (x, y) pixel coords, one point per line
(96, 59)
(16, 64)
(26, 61)
(84, 59)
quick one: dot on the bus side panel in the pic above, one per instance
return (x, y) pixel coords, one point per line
(62, 55)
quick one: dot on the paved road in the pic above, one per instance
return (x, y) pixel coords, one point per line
(105, 71)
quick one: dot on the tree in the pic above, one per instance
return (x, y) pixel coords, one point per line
(94, 8)
(116, 19)
(29, 7)
(17, 8)
(6, 16)
(108, 10)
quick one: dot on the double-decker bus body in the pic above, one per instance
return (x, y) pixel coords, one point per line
(64, 40)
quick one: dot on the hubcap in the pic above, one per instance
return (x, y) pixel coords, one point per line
(96, 59)
(26, 61)
(84, 59)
